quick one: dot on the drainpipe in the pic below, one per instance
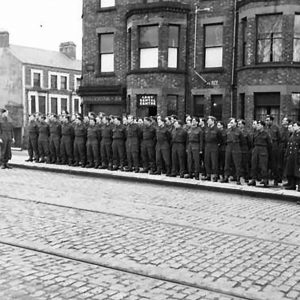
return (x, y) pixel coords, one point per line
(233, 56)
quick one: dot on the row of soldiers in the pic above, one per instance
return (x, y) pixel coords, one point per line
(159, 145)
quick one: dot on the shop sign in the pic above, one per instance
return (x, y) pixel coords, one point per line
(147, 100)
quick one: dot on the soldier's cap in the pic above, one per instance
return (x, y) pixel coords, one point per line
(2, 110)
(147, 119)
(261, 123)
(43, 117)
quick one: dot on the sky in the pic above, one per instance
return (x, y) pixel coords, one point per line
(42, 23)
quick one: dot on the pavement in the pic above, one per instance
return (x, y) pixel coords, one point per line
(19, 157)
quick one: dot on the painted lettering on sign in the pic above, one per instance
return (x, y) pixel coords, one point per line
(147, 100)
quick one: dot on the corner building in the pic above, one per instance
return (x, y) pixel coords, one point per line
(210, 57)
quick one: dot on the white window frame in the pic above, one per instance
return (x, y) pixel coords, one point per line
(32, 77)
(36, 95)
(73, 104)
(110, 3)
(75, 81)
(68, 81)
(59, 97)
(49, 79)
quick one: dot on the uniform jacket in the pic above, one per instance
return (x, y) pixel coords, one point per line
(67, 129)
(106, 132)
(55, 129)
(33, 129)
(80, 130)
(93, 133)
(274, 133)
(195, 137)
(263, 140)
(43, 131)
(6, 129)
(163, 137)
(292, 155)
(179, 135)
(119, 132)
(133, 134)
(234, 139)
(212, 137)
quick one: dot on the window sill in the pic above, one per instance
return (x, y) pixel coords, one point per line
(270, 66)
(106, 74)
(106, 9)
(156, 70)
(213, 70)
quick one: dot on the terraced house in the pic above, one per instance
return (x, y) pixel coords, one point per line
(36, 80)
(225, 58)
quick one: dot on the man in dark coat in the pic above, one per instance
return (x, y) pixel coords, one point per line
(79, 142)
(106, 143)
(33, 134)
(54, 140)
(66, 142)
(43, 140)
(92, 144)
(118, 144)
(6, 139)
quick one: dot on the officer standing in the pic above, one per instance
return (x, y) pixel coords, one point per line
(118, 144)
(106, 143)
(285, 135)
(79, 142)
(54, 141)
(66, 142)
(43, 140)
(292, 156)
(6, 139)
(92, 144)
(33, 133)
(260, 154)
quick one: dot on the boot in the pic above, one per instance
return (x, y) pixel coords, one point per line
(252, 183)
(29, 159)
(238, 181)
(197, 176)
(265, 183)
(225, 179)
(7, 166)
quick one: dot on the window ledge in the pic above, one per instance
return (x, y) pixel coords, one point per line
(270, 66)
(156, 70)
(106, 9)
(106, 74)
(213, 70)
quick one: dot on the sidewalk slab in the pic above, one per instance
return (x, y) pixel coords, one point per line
(18, 161)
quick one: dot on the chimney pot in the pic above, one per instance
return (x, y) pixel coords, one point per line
(68, 49)
(4, 39)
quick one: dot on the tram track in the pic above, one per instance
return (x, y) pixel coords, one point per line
(80, 259)
(143, 219)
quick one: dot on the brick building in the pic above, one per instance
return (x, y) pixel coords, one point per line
(35, 80)
(209, 57)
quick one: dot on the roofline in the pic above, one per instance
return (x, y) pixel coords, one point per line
(47, 66)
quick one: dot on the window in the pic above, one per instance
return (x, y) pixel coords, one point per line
(129, 48)
(106, 45)
(199, 106)
(148, 46)
(63, 82)
(244, 41)
(269, 38)
(53, 81)
(213, 46)
(53, 105)
(77, 82)
(32, 105)
(107, 3)
(173, 46)
(171, 105)
(242, 108)
(216, 106)
(267, 104)
(36, 79)
(296, 56)
(295, 112)
(76, 106)
(63, 104)
(42, 104)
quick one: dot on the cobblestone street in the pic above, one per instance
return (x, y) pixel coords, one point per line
(73, 237)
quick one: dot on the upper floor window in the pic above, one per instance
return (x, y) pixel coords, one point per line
(244, 41)
(77, 82)
(37, 79)
(106, 3)
(64, 82)
(296, 56)
(53, 81)
(148, 46)
(173, 46)
(269, 38)
(106, 45)
(213, 46)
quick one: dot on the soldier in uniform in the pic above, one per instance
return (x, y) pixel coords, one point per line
(233, 154)
(92, 144)
(133, 134)
(260, 154)
(292, 157)
(118, 144)
(54, 141)
(6, 139)
(163, 137)
(33, 134)
(285, 135)
(43, 140)
(179, 139)
(106, 144)
(79, 142)
(222, 149)
(213, 138)
(66, 141)
(274, 133)
(148, 146)
(194, 148)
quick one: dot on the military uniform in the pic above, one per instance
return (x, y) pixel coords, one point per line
(162, 149)
(260, 155)
(106, 145)
(233, 154)
(33, 134)
(292, 156)
(118, 146)
(246, 145)
(6, 135)
(148, 148)
(284, 138)
(195, 144)
(79, 144)
(66, 143)
(213, 138)
(54, 141)
(92, 146)
(43, 142)
(179, 139)
(133, 134)
(222, 150)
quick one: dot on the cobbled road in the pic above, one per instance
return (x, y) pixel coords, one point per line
(72, 237)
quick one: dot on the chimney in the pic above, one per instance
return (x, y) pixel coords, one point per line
(69, 49)
(4, 39)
